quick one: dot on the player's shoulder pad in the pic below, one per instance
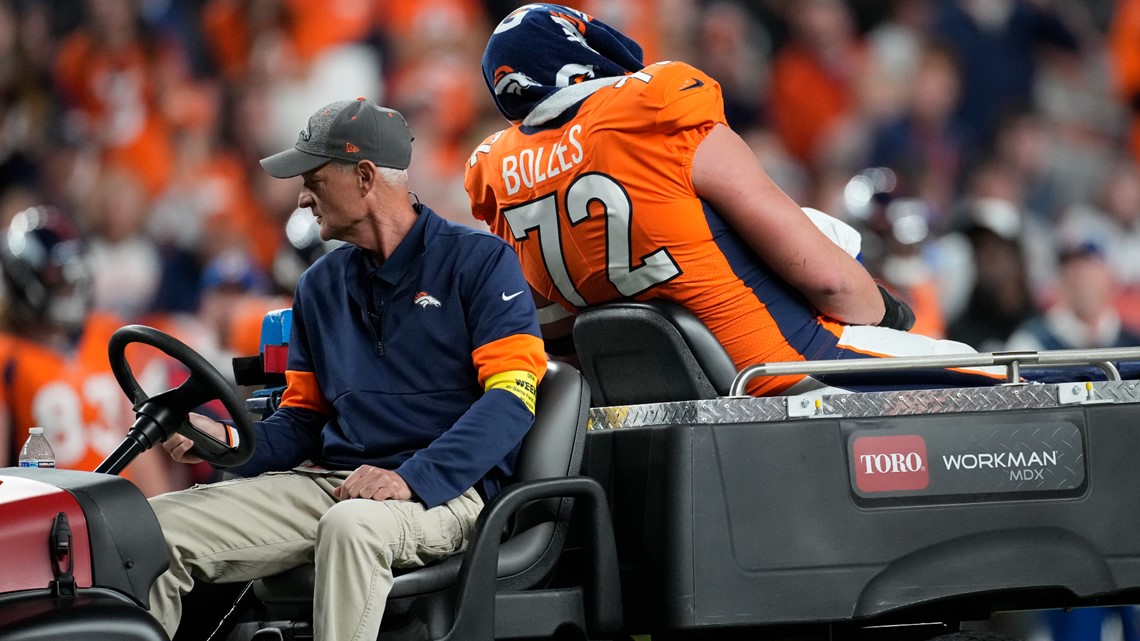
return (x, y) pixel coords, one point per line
(673, 78)
(485, 146)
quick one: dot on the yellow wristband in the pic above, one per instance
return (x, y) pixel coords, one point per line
(519, 382)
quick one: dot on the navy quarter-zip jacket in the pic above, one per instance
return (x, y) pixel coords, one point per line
(388, 365)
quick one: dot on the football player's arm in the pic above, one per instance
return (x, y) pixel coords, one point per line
(726, 173)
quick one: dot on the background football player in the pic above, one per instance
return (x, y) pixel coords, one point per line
(53, 354)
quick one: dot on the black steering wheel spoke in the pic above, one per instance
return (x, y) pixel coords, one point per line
(190, 395)
(163, 414)
(207, 447)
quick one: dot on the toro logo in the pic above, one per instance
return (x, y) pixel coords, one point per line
(890, 463)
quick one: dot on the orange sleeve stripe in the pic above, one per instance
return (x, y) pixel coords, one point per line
(303, 391)
(516, 352)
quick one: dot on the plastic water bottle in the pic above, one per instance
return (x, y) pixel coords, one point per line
(37, 451)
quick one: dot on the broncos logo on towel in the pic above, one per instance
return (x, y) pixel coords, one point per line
(572, 26)
(572, 74)
(508, 80)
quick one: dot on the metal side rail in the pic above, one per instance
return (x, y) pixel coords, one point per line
(1012, 361)
(739, 408)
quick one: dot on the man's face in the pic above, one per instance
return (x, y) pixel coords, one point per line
(332, 193)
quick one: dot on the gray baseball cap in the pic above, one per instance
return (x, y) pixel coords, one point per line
(346, 130)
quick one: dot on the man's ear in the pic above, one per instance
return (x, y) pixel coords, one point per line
(366, 175)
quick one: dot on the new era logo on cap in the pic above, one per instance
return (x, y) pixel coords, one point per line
(346, 130)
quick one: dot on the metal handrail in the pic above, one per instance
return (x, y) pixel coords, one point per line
(1012, 361)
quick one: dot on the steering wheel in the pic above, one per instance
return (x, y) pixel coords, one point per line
(163, 414)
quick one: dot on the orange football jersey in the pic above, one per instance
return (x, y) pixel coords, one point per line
(601, 207)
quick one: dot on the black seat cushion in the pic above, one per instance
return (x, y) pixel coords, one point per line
(650, 352)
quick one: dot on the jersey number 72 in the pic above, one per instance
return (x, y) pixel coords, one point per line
(541, 216)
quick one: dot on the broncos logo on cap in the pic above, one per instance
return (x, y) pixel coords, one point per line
(507, 80)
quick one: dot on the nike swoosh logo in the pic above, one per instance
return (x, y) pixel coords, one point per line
(697, 82)
(506, 298)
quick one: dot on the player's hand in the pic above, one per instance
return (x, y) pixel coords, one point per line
(178, 446)
(369, 482)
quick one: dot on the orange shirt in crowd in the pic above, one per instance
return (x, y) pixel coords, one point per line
(805, 100)
(638, 19)
(1124, 49)
(923, 300)
(428, 19)
(237, 218)
(115, 91)
(245, 324)
(311, 26)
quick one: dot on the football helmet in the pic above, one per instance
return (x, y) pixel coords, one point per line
(45, 272)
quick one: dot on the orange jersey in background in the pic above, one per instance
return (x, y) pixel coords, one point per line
(75, 397)
(602, 208)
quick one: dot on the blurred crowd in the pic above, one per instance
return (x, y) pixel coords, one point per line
(987, 149)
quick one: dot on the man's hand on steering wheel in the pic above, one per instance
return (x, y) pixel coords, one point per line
(178, 446)
(160, 417)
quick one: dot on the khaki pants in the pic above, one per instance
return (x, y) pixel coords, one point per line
(251, 528)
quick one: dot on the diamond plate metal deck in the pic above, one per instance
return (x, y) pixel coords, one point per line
(867, 405)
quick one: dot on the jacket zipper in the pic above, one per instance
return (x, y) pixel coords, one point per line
(376, 321)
